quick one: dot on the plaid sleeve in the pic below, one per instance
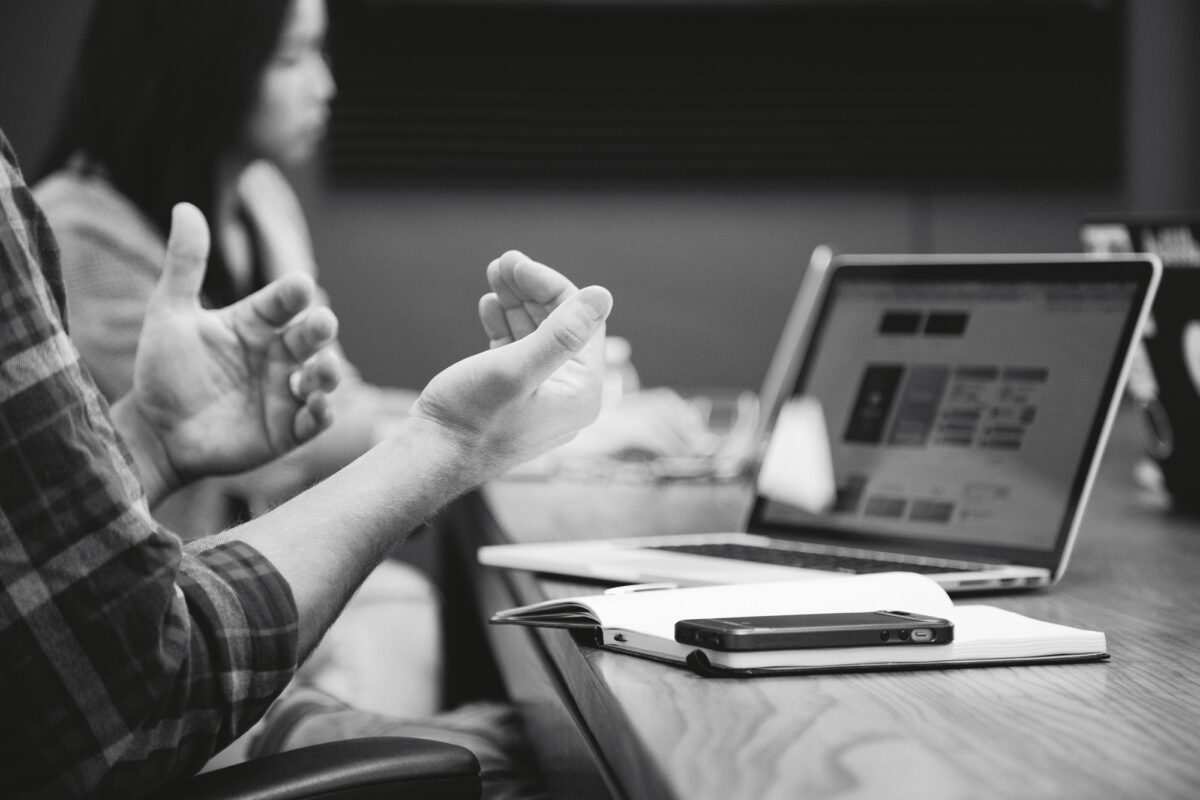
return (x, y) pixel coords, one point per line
(124, 662)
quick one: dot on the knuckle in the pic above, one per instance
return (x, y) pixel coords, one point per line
(571, 334)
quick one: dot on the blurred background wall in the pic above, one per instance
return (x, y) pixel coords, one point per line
(703, 267)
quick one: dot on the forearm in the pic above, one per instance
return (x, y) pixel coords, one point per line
(326, 540)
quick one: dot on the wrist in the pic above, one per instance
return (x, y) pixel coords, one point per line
(159, 476)
(446, 455)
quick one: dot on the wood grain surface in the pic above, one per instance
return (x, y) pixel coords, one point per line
(1126, 728)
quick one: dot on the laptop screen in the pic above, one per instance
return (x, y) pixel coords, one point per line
(963, 402)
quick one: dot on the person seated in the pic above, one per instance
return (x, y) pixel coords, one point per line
(211, 102)
(206, 103)
(130, 658)
(230, 97)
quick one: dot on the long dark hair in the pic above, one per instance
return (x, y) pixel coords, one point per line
(162, 89)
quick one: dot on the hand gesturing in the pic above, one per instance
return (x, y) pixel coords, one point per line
(225, 390)
(540, 381)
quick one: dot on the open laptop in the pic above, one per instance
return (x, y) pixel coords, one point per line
(967, 401)
(1165, 378)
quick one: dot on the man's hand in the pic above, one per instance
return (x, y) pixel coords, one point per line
(523, 294)
(540, 381)
(220, 391)
(536, 386)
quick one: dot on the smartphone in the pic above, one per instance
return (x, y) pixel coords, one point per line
(797, 631)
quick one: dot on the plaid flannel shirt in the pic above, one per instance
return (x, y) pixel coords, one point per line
(125, 660)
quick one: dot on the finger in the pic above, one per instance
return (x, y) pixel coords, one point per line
(528, 290)
(537, 312)
(540, 287)
(491, 314)
(564, 335)
(313, 417)
(277, 303)
(519, 322)
(540, 284)
(321, 373)
(187, 255)
(296, 386)
(310, 332)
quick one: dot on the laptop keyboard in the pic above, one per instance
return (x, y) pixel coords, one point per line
(833, 562)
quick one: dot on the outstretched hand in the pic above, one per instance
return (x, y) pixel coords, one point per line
(540, 381)
(220, 391)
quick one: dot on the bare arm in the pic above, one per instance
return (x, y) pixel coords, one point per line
(473, 421)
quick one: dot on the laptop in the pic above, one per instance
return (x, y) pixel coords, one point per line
(966, 400)
(1165, 377)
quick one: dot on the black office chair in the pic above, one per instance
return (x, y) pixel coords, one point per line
(355, 769)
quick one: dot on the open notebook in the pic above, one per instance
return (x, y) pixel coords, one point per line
(643, 623)
(960, 405)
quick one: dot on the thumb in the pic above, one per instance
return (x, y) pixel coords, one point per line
(564, 334)
(187, 255)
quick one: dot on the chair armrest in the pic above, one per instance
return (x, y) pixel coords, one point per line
(392, 767)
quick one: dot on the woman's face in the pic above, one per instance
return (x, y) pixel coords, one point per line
(292, 109)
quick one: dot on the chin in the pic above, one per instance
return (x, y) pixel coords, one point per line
(296, 156)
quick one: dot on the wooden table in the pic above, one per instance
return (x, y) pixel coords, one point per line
(610, 725)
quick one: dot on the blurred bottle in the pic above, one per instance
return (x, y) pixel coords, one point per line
(620, 377)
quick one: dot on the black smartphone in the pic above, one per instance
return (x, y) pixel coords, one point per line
(796, 631)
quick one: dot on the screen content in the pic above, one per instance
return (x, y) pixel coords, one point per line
(958, 410)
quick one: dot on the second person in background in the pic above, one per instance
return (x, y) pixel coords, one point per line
(209, 102)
